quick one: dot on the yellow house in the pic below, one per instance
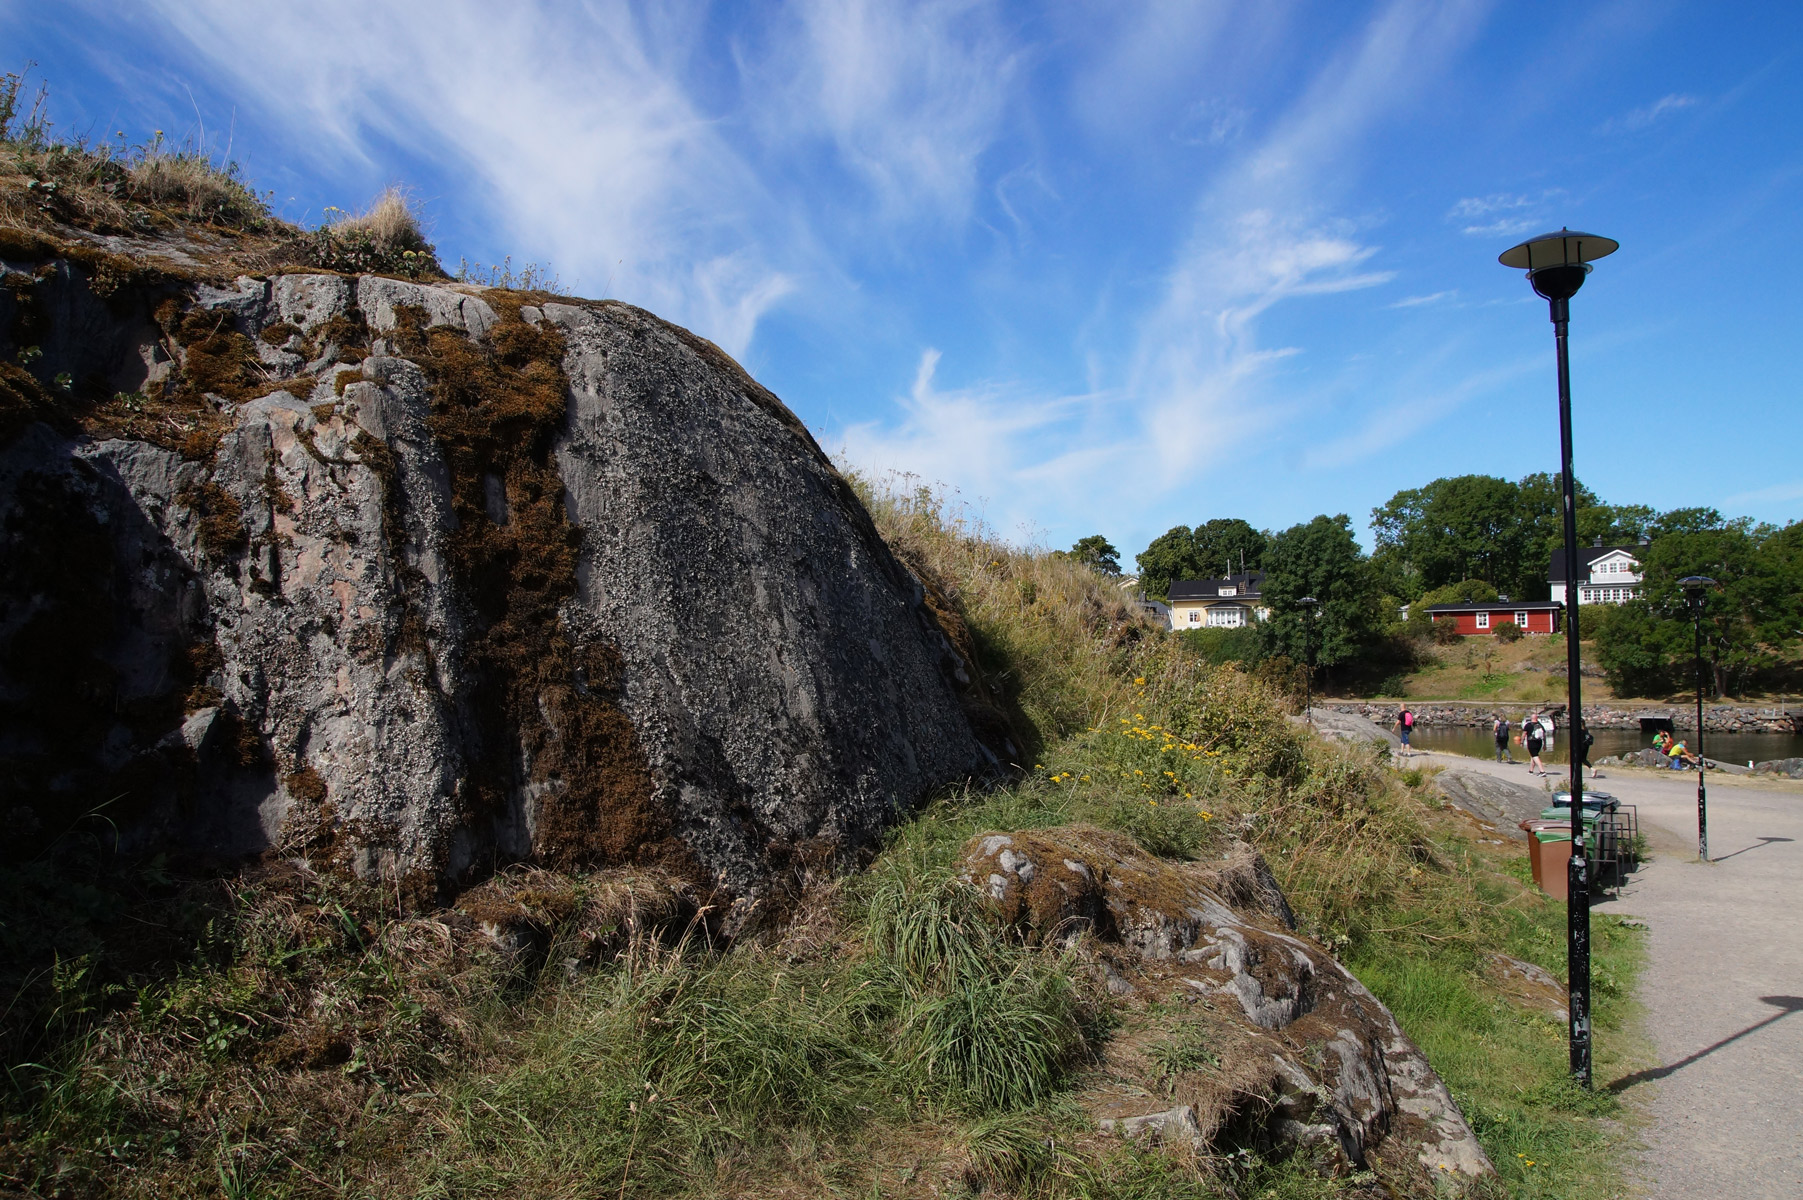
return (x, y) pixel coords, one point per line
(1228, 603)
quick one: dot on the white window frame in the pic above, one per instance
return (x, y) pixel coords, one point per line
(1230, 590)
(1483, 620)
(1195, 616)
(1521, 620)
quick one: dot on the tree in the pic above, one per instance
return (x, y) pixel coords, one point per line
(1228, 546)
(1320, 559)
(1463, 527)
(1646, 646)
(1172, 555)
(1095, 551)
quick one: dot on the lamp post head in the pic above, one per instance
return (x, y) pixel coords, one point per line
(1557, 262)
(1307, 603)
(1694, 587)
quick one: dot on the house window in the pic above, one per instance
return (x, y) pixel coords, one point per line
(1230, 590)
(1228, 616)
(1521, 620)
(1483, 620)
(1195, 618)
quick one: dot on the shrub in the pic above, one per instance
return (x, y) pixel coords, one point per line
(1218, 646)
(1507, 631)
(385, 238)
(1446, 632)
(188, 181)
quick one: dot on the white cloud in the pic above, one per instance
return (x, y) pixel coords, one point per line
(1775, 494)
(1424, 301)
(1502, 215)
(574, 127)
(910, 95)
(1212, 122)
(1194, 392)
(1017, 452)
(1646, 115)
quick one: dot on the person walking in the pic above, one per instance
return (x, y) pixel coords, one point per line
(1582, 743)
(1499, 729)
(1405, 725)
(1534, 734)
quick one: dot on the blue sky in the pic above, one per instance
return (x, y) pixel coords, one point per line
(1097, 267)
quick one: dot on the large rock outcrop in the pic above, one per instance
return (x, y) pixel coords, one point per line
(421, 580)
(1318, 1060)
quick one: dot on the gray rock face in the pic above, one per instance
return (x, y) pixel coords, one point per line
(1502, 803)
(1358, 1080)
(1348, 727)
(382, 627)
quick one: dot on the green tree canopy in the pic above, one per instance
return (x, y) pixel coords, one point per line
(1227, 546)
(1200, 553)
(1466, 591)
(1482, 527)
(1320, 559)
(1095, 551)
(1647, 645)
(1172, 555)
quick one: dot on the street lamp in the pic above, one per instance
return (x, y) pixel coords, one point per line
(1556, 264)
(1307, 605)
(1696, 588)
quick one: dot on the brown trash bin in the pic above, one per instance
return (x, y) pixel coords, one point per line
(1549, 849)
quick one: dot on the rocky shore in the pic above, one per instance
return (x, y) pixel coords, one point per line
(1717, 718)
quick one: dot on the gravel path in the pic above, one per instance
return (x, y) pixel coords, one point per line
(1723, 985)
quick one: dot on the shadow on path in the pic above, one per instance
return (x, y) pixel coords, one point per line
(1763, 841)
(1786, 1005)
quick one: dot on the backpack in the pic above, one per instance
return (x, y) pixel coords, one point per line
(1408, 719)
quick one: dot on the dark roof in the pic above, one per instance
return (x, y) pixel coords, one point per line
(1208, 589)
(1555, 571)
(1496, 606)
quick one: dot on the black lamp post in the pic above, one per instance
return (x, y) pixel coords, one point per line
(1307, 605)
(1556, 264)
(1695, 591)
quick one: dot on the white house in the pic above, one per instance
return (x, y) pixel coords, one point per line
(1606, 574)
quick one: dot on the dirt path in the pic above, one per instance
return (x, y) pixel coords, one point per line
(1724, 983)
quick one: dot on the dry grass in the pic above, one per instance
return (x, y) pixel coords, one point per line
(390, 224)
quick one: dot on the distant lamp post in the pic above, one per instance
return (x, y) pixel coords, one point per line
(1307, 605)
(1696, 590)
(1556, 264)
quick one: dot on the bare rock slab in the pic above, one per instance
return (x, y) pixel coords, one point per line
(463, 583)
(1357, 1084)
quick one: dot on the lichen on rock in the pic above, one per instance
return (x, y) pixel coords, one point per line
(447, 579)
(1319, 1060)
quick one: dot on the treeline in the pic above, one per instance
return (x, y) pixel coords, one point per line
(1478, 537)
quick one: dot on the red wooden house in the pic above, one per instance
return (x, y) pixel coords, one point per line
(1531, 616)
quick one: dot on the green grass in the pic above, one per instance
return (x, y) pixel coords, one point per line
(298, 1037)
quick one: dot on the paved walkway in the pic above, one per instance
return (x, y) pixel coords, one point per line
(1723, 985)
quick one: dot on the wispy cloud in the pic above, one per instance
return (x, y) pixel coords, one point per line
(1212, 122)
(1777, 493)
(575, 129)
(1501, 215)
(1424, 301)
(1017, 451)
(909, 95)
(1647, 115)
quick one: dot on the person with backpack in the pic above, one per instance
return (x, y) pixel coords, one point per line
(1405, 725)
(1534, 733)
(1499, 729)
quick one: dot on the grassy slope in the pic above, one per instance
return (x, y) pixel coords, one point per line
(299, 1037)
(1487, 668)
